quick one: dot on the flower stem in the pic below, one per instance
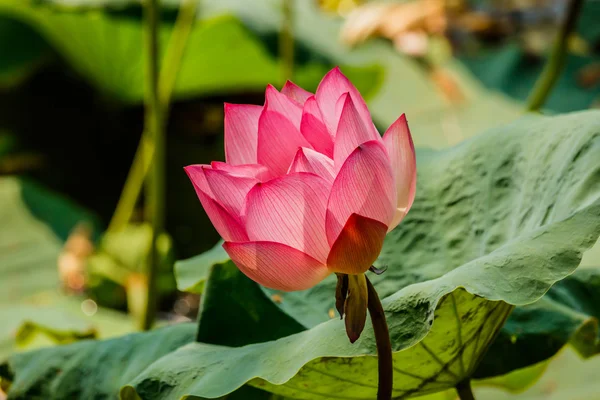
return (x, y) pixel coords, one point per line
(464, 390)
(384, 345)
(557, 59)
(154, 211)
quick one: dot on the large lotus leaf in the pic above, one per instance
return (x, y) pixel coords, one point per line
(568, 313)
(321, 363)
(504, 215)
(30, 304)
(97, 369)
(106, 49)
(90, 369)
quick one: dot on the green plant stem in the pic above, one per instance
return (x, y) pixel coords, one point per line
(133, 185)
(464, 390)
(174, 53)
(154, 130)
(286, 40)
(557, 59)
(145, 151)
(384, 345)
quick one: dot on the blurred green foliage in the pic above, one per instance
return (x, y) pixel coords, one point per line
(71, 86)
(22, 50)
(31, 302)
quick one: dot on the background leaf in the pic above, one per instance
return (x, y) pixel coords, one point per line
(30, 301)
(90, 369)
(191, 274)
(21, 54)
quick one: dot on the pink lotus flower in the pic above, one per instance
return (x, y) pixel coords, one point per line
(309, 187)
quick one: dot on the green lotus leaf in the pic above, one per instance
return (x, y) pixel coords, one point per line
(568, 313)
(90, 369)
(496, 222)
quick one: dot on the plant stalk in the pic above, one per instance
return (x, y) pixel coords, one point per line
(133, 185)
(166, 81)
(464, 390)
(174, 53)
(384, 345)
(557, 59)
(155, 187)
(286, 40)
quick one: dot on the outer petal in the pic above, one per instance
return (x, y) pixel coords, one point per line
(241, 133)
(295, 92)
(313, 128)
(278, 141)
(351, 132)
(229, 226)
(358, 245)
(400, 148)
(332, 86)
(198, 177)
(364, 186)
(276, 266)
(257, 171)
(290, 210)
(308, 160)
(229, 190)
(284, 105)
